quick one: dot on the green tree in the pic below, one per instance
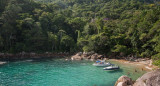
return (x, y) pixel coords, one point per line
(67, 43)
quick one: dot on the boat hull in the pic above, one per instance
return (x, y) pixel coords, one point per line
(101, 65)
(112, 69)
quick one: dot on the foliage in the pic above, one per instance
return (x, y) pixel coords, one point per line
(119, 27)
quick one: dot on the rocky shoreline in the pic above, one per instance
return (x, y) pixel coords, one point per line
(87, 56)
(24, 55)
(145, 64)
(148, 79)
(130, 60)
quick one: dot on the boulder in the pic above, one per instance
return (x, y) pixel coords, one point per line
(100, 56)
(121, 84)
(32, 54)
(124, 81)
(89, 57)
(86, 55)
(94, 56)
(2, 63)
(77, 57)
(149, 79)
(79, 54)
(91, 53)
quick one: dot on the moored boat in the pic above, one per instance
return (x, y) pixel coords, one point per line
(112, 67)
(101, 64)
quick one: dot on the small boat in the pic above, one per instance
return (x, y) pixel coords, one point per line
(101, 64)
(112, 67)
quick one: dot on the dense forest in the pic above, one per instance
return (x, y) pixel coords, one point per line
(111, 27)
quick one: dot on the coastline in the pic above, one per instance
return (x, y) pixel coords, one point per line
(144, 64)
(24, 55)
(147, 66)
(141, 64)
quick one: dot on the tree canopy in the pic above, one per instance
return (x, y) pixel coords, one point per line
(111, 27)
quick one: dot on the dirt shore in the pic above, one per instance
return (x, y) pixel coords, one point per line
(145, 65)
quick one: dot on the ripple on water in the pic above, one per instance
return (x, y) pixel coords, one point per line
(61, 73)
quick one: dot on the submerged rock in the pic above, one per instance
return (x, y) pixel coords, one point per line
(124, 81)
(149, 79)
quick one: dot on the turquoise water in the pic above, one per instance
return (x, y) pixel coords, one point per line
(58, 72)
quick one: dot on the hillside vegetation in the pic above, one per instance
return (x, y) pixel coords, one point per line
(112, 27)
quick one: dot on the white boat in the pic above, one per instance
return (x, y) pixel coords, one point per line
(112, 67)
(101, 64)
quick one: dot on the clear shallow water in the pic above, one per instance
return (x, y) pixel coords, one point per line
(58, 72)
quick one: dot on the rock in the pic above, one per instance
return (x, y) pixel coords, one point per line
(1, 63)
(120, 84)
(79, 54)
(89, 57)
(76, 57)
(94, 56)
(91, 53)
(124, 81)
(149, 79)
(100, 56)
(86, 55)
(150, 62)
(32, 54)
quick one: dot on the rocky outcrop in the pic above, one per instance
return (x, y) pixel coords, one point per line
(124, 81)
(86, 55)
(149, 79)
(94, 56)
(78, 56)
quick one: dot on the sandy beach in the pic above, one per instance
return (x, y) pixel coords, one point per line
(144, 65)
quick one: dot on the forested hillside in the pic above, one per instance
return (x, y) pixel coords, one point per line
(111, 27)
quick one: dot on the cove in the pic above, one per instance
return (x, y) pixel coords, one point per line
(59, 72)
